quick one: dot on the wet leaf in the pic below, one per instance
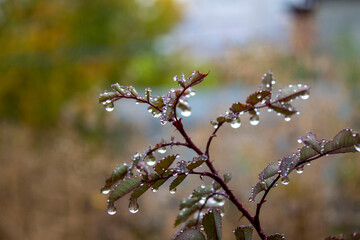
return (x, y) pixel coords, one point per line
(227, 177)
(270, 170)
(310, 140)
(343, 142)
(124, 188)
(107, 96)
(288, 164)
(185, 213)
(261, 186)
(188, 202)
(276, 236)
(202, 191)
(292, 92)
(267, 81)
(285, 109)
(349, 236)
(195, 164)
(159, 183)
(190, 234)
(257, 97)
(118, 174)
(118, 88)
(243, 232)
(239, 107)
(164, 164)
(212, 224)
(140, 191)
(196, 78)
(177, 181)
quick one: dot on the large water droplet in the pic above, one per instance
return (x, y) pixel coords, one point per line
(357, 147)
(254, 120)
(154, 190)
(150, 160)
(186, 113)
(285, 180)
(173, 191)
(251, 199)
(162, 150)
(305, 96)
(236, 123)
(287, 118)
(299, 140)
(300, 169)
(109, 107)
(133, 206)
(111, 209)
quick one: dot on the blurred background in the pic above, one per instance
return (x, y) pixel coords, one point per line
(57, 144)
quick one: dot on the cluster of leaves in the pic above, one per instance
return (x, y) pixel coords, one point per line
(206, 203)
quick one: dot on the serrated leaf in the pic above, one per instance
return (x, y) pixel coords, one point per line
(164, 164)
(243, 232)
(140, 191)
(310, 140)
(118, 88)
(188, 202)
(196, 78)
(270, 170)
(177, 181)
(267, 81)
(118, 174)
(159, 183)
(190, 234)
(124, 188)
(276, 236)
(306, 153)
(212, 224)
(185, 213)
(288, 164)
(107, 95)
(261, 186)
(195, 164)
(343, 142)
(291, 92)
(284, 108)
(257, 97)
(202, 191)
(239, 107)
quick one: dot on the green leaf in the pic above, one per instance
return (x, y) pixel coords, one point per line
(190, 234)
(196, 163)
(202, 191)
(118, 174)
(212, 224)
(276, 236)
(343, 142)
(164, 164)
(148, 94)
(257, 97)
(196, 78)
(185, 213)
(124, 188)
(270, 170)
(140, 191)
(188, 202)
(310, 140)
(306, 153)
(239, 107)
(227, 177)
(267, 81)
(243, 232)
(107, 96)
(177, 181)
(118, 88)
(159, 183)
(292, 92)
(261, 186)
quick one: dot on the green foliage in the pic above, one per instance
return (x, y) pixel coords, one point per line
(206, 202)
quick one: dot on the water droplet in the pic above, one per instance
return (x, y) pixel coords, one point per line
(299, 140)
(236, 123)
(111, 209)
(109, 107)
(108, 101)
(215, 126)
(162, 150)
(175, 78)
(251, 199)
(150, 160)
(173, 191)
(133, 206)
(300, 169)
(305, 96)
(285, 180)
(269, 110)
(308, 164)
(357, 147)
(186, 113)
(273, 81)
(287, 118)
(105, 191)
(258, 96)
(254, 120)
(154, 190)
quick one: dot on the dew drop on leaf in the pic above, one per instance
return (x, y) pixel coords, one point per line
(254, 120)
(300, 170)
(154, 190)
(133, 206)
(251, 199)
(109, 107)
(173, 191)
(357, 147)
(285, 180)
(150, 160)
(111, 209)
(236, 123)
(186, 113)
(305, 96)
(299, 140)
(162, 150)
(287, 118)
(105, 191)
